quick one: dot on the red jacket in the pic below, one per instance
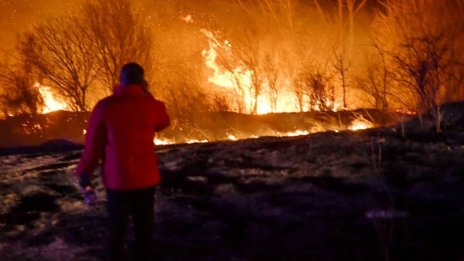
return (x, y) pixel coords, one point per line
(121, 132)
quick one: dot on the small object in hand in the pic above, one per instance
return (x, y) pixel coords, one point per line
(90, 196)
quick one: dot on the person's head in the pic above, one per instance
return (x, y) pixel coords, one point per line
(132, 73)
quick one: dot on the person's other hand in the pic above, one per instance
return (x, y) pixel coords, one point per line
(87, 189)
(90, 196)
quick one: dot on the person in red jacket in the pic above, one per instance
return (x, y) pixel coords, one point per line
(120, 134)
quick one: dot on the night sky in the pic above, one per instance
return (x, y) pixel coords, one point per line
(17, 15)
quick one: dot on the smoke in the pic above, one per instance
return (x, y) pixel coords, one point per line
(19, 15)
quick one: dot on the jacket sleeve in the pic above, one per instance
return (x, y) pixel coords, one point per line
(163, 118)
(95, 142)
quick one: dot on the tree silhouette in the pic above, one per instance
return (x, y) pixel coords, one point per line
(62, 58)
(19, 94)
(118, 36)
(424, 51)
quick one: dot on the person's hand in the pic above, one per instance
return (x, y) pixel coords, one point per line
(87, 189)
(90, 196)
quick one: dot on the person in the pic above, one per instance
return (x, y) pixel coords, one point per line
(120, 133)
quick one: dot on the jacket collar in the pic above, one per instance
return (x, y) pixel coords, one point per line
(132, 89)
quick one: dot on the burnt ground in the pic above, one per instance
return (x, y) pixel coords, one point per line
(331, 196)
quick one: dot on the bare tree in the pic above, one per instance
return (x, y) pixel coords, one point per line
(71, 53)
(242, 66)
(300, 89)
(273, 74)
(342, 67)
(376, 79)
(187, 98)
(19, 95)
(268, 28)
(319, 96)
(314, 85)
(118, 36)
(238, 76)
(251, 53)
(422, 47)
(62, 57)
(340, 22)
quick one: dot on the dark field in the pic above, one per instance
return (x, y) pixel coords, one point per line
(328, 196)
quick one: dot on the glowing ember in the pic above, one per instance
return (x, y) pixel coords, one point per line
(51, 103)
(157, 141)
(31, 128)
(187, 19)
(196, 141)
(297, 133)
(360, 124)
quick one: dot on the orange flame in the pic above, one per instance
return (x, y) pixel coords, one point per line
(241, 78)
(158, 141)
(360, 124)
(296, 133)
(221, 77)
(187, 19)
(51, 103)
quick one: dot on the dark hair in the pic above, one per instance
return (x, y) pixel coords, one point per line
(132, 73)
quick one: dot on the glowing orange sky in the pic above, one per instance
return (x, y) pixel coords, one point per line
(16, 15)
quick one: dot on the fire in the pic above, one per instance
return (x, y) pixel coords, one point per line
(51, 103)
(240, 79)
(192, 141)
(297, 133)
(158, 141)
(360, 124)
(221, 77)
(187, 19)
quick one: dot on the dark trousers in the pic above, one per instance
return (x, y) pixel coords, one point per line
(138, 204)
